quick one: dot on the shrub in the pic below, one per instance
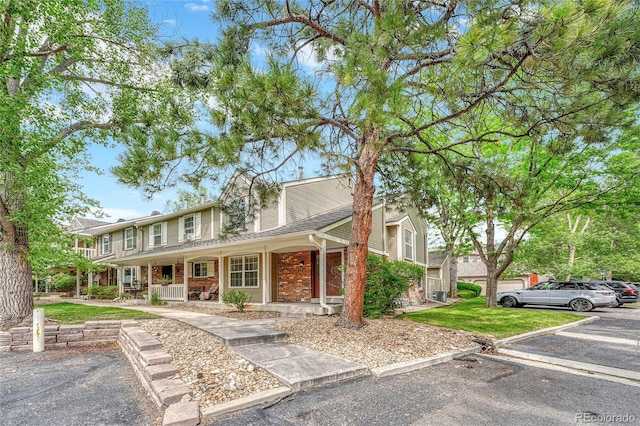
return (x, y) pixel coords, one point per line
(475, 288)
(385, 282)
(155, 299)
(101, 292)
(466, 294)
(63, 282)
(238, 298)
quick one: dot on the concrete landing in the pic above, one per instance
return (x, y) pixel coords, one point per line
(245, 335)
(299, 367)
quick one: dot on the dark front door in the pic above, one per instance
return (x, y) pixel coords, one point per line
(167, 272)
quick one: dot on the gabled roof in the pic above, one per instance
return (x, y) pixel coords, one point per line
(436, 259)
(471, 269)
(80, 223)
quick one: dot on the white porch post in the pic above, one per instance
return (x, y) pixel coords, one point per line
(149, 275)
(185, 279)
(119, 276)
(323, 272)
(221, 277)
(77, 282)
(265, 266)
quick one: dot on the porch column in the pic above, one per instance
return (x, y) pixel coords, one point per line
(120, 278)
(185, 279)
(77, 282)
(149, 275)
(265, 266)
(221, 275)
(323, 272)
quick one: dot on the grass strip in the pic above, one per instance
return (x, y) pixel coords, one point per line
(76, 313)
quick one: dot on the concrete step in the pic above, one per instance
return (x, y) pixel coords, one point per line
(299, 367)
(246, 335)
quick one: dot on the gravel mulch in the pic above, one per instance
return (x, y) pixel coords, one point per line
(216, 374)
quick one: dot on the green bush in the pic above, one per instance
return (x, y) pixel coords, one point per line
(63, 282)
(101, 292)
(238, 298)
(475, 288)
(155, 299)
(385, 282)
(466, 294)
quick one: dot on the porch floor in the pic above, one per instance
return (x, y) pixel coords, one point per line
(295, 309)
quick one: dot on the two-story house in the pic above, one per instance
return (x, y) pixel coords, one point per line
(291, 250)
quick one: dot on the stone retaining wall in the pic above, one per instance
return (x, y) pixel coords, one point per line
(150, 362)
(61, 336)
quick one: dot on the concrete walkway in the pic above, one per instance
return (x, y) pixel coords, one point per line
(294, 366)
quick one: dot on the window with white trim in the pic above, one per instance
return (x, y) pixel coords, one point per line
(408, 244)
(243, 271)
(465, 259)
(189, 227)
(156, 230)
(130, 275)
(105, 243)
(129, 238)
(200, 269)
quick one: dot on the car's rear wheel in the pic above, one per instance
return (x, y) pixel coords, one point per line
(509, 302)
(581, 305)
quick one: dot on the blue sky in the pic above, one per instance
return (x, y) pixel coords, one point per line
(178, 19)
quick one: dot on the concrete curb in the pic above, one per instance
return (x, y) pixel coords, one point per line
(245, 402)
(418, 363)
(542, 332)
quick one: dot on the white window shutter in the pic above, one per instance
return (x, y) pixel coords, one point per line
(198, 225)
(164, 233)
(210, 271)
(150, 236)
(189, 270)
(181, 229)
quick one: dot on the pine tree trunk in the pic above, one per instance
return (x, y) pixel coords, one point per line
(351, 316)
(16, 299)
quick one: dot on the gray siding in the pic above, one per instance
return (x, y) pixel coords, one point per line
(376, 239)
(216, 224)
(392, 241)
(310, 198)
(205, 224)
(343, 231)
(269, 216)
(172, 232)
(421, 233)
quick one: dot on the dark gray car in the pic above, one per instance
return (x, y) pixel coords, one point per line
(577, 295)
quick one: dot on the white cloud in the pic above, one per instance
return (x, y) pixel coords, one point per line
(197, 7)
(171, 22)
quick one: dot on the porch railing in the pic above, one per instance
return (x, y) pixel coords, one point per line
(86, 252)
(168, 292)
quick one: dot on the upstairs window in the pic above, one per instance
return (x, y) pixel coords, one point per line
(158, 234)
(129, 238)
(105, 244)
(408, 244)
(189, 227)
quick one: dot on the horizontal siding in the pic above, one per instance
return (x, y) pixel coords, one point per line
(392, 235)
(343, 231)
(311, 198)
(269, 216)
(376, 240)
(205, 224)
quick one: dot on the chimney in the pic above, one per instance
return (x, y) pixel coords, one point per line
(300, 176)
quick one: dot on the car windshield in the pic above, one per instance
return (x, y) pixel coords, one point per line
(591, 286)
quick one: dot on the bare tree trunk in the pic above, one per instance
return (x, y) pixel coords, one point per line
(453, 275)
(351, 316)
(492, 282)
(16, 299)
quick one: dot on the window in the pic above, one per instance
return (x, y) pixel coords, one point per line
(130, 275)
(157, 234)
(200, 269)
(106, 243)
(189, 227)
(129, 238)
(408, 244)
(465, 259)
(243, 271)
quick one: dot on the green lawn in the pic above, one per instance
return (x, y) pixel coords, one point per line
(75, 313)
(471, 315)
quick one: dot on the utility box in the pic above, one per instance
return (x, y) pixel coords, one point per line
(440, 296)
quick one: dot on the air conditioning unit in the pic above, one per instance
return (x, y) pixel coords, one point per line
(188, 237)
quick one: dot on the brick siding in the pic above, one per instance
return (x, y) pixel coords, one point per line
(294, 277)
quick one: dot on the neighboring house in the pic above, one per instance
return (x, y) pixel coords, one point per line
(472, 269)
(438, 274)
(292, 250)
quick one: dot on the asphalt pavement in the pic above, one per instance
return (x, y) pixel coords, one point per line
(72, 387)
